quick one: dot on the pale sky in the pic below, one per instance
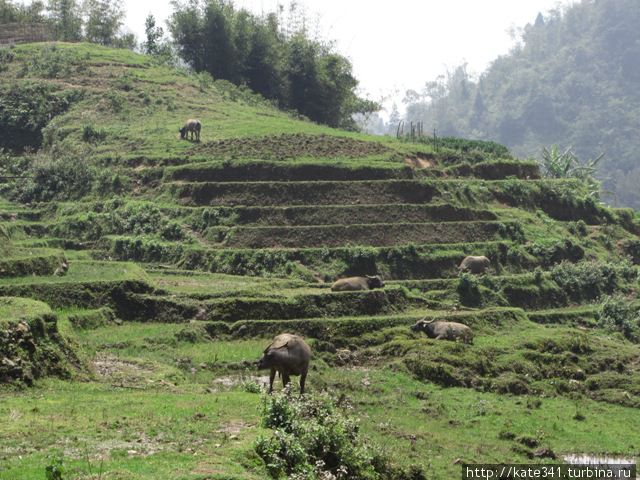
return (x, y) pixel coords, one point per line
(400, 44)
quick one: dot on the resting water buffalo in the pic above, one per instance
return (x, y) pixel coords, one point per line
(444, 330)
(288, 355)
(191, 126)
(475, 264)
(357, 283)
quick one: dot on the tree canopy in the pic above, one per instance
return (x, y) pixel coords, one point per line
(571, 80)
(279, 60)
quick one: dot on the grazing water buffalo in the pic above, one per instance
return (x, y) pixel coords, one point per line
(357, 283)
(474, 264)
(191, 126)
(288, 355)
(444, 330)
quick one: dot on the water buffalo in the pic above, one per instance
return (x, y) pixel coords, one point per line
(191, 126)
(357, 283)
(288, 355)
(444, 330)
(474, 264)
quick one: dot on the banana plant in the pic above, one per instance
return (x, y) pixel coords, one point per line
(566, 164)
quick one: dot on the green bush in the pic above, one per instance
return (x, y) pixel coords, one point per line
(6, 57)
(589, 280)
(53, 62)
(314, 439)
(92, 135)
(616, 314)
(469, 290)
(64, 178)
(27, 107)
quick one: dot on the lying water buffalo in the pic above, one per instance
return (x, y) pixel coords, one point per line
(357, 283)
(444, 330)
(288, 355)
(191, 126)
(474, 264)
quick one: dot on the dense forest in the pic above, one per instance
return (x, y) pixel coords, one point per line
(572, 80)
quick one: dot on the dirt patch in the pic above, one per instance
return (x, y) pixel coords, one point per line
(289, 146)
(143, 446)
(230, 381)
(419, 163)
(234, 427)
(120, 372)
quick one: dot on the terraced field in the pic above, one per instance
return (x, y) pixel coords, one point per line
(183, 259)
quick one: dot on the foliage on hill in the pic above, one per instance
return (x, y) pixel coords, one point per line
(572, 81)
(239, 237)
(280, 61)
(97, 21)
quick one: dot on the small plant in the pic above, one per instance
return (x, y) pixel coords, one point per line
(251, 386)
(6, 57)
(93, 135)
(55, 469)
(556, 164)
(205, 81)
(124, 83)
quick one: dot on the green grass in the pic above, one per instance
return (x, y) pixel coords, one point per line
(15, 308)
(86, 271)
(169, 400)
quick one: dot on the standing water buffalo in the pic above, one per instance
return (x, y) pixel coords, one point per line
(288, 355)
(191, 126)
(474, 264)
(357, 283)
(444, 330)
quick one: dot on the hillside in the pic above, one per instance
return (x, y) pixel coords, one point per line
(571, 81)
(185, 258)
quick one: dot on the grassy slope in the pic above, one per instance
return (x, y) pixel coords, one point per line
(166, 401)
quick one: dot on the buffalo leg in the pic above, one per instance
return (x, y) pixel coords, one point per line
(285, 379)
(272, 376)
(303, 379)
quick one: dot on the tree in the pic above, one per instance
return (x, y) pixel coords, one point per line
(103, 20)
(285, 65)
(154, 35)
(187, 28)
(17, 13)
(65, 15)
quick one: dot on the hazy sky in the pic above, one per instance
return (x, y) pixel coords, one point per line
(399, 44)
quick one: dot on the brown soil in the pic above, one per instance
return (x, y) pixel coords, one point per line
(289, 146)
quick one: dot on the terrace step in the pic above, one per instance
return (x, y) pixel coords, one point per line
(330, 214)
(404, 262)
(303, 193)
(377, 235)
(342, 331)
(283, 171)
(32, 262)
(164, 308)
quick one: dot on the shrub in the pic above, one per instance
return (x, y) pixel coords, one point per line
(52, 62)
(314, 439)
(469, 290)
(65, 178)
(587, 279)
(27, 107)
(616, 314)
(6, 57)
(92, 135)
